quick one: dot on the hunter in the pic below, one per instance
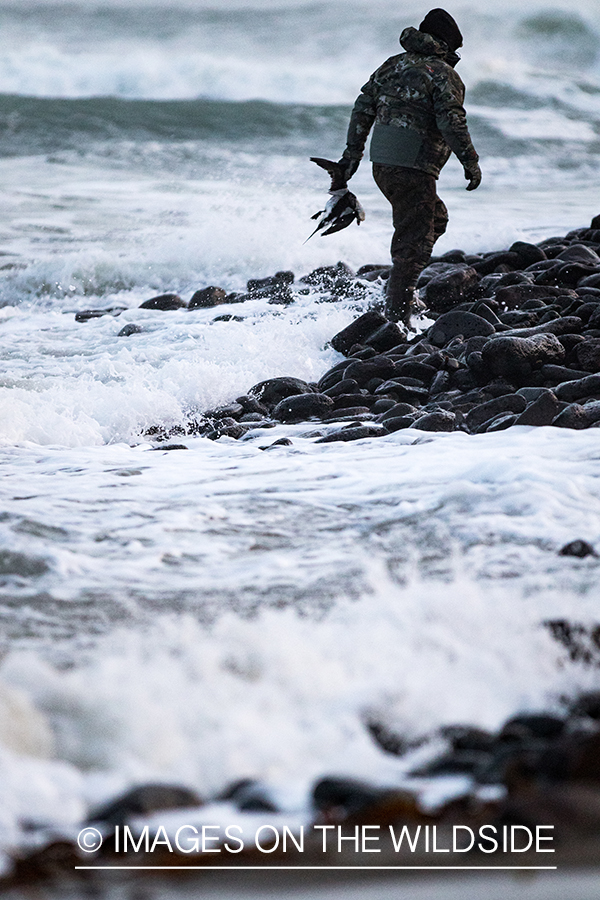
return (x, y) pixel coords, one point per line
(415, 100)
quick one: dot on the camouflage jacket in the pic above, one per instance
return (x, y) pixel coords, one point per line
(415, 100)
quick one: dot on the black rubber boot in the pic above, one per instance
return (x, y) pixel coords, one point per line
(398, 305)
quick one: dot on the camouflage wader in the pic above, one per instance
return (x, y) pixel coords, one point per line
(419, 218)
(414, 104)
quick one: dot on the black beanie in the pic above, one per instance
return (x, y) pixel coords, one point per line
(440, 24)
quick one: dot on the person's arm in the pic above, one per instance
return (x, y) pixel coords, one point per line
(361, 120)
(451, 120)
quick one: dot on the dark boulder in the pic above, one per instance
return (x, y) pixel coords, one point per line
(144, 800)
(129, 329)
(439, 420)
(498, 423)
(557, 374)
(363, 370)
(386, 337)
(299, 407)
(358, 331)
(345, 386)
(579, 389)
(542, 411)
(325, 276)
(354, 434)
(516, 357)
(451, 324)
(580, 253)
(580, 549)
(403, 392)
(411, 368)
(397, 423)
(578, 417)
(164, 302)
(508, 403)
(87, 314)
(272, 391)
(347, 794)
(208, 297)
(587, 355)
(447, 290)
(255, 285)
(527, 253)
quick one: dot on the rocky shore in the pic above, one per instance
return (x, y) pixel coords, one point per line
(537, 770)
(505, 338)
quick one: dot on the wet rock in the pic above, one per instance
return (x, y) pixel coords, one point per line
(580, 253)
(587, 355)
(447, 290)
(345, 386)
(504, 261)
(325, 276)
(440, 383)
(389, 741)
(398, 423)
(382, 405)
(451, 324)
(208, 297)
(386, 338)
(555, 375)
(274, 390)
(578, 389)
(439, 420)
(532, 725)
(588, 704)
(171, 447)
(345, 794)
(403, 392)
(249, 405)
(590, 281)
(348, 400)
(516, 357)
(508, 403)
(300, 407)
(227, 428)
(232, 410)
(542, 411)
(354, 434)
(282, 442)
(144, 800)
(580, 549)
(410, 368)
(129, 329)
(249, 796)
(351, 412)
(496, 423)
(86, 314)
(527, 253)
(363, 370)
(578, 417)
(358, 331)
(164, 302)
(272, 281)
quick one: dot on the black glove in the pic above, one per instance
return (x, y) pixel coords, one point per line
(349, 166)
(473, 176)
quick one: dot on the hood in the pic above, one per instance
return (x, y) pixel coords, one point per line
(424, 44)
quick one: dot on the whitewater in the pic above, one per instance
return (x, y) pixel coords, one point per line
(226, 611)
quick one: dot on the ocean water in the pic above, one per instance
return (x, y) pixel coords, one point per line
(224, 612)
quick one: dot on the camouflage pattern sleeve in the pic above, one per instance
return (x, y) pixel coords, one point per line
(451, 118)
(361, 120)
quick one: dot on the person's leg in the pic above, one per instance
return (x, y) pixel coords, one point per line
(419, 217)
